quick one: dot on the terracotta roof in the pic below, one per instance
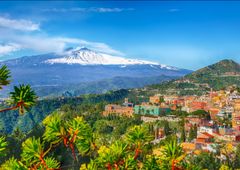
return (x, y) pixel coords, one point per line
(188, 146)
(205, 135)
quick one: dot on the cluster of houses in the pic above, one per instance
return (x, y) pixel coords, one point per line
(152, 108)
(223, 107)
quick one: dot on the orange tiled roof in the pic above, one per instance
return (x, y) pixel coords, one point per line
(188, 146)
(205, 135)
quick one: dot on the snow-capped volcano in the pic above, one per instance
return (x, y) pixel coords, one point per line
(53, 73)
(85, 56)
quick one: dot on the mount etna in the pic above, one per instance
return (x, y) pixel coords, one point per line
(81, 70)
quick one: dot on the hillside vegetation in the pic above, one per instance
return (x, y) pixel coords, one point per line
(217, 76)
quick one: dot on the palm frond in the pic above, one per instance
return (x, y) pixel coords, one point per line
(4, 76)
(23, 97)
(51, 163)
(3, 145)
(80, 133)
(54, 129)
(32, 150)
(11, 164)
(138, 135)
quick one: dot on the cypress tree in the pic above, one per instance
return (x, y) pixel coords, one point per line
(183, 135)
(191, 135)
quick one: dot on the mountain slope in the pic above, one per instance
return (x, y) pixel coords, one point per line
(221, 68)
(83, 66)
(217, 76)
(101, 86)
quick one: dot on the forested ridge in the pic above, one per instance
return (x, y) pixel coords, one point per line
(12, 120)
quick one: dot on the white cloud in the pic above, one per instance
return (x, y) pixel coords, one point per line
(44, 43)
(23, 25)
(9, 48)
(97, 46)
(39, 41)
(92, 9)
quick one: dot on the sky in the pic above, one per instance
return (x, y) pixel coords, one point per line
(184, 34)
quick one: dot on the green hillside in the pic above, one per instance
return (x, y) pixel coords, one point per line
(217, 76)
(12, 121)
(218, 68)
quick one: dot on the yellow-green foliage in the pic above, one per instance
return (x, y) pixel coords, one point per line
(3, 145)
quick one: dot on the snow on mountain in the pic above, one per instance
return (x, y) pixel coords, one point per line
(85, 56)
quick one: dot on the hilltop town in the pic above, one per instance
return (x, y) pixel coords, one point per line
(209, 120)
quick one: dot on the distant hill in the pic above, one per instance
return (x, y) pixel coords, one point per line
(100, 87)
(221, 68)
(217, 76)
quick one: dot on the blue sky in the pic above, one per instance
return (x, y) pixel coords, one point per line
(183, 34)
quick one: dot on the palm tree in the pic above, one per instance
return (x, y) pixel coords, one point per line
(75, 133)
(138, 137)
(122, 154)
(81, 135)
(34, 156)
(173, 153)
(151, 163)
(112, 157)
(22, 98)
(4, 76)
